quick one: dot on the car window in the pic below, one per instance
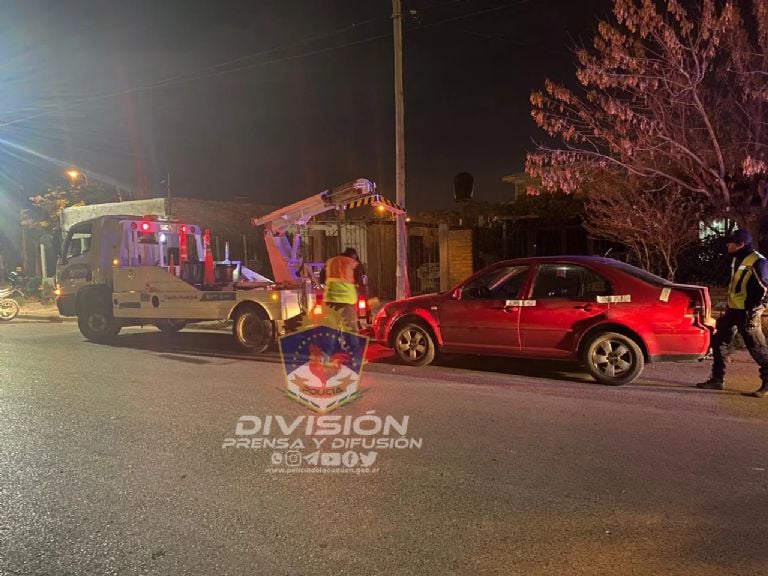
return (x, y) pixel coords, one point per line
(502, 283)
(643, 275)
(569, 281)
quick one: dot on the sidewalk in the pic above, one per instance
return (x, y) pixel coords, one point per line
(34, 310)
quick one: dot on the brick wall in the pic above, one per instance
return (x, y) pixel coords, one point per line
(459, 255)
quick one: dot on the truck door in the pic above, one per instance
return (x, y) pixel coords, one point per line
(75, 263)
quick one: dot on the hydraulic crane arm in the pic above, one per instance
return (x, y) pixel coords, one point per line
(284, 256)
(299, 213)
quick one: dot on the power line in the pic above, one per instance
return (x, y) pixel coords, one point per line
(470, 14)
(220, 68)
(213, 70)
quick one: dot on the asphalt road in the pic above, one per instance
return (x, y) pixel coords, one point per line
(112, 462)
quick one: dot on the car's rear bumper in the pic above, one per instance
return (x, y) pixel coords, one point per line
(680, 345)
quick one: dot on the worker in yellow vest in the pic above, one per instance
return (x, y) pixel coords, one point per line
(747, 298)
(341, 276)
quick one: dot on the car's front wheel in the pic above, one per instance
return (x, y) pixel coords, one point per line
(414, 345)
(613, 359)
(96, 322)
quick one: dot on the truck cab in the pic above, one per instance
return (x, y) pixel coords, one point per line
(89, 249)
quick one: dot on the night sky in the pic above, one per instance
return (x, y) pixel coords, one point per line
(276, 100)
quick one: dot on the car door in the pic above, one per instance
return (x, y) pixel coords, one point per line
(564, 305)
(482, 316)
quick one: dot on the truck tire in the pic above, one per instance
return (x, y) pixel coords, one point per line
(252, 330)
(96, 322)
(170, 326)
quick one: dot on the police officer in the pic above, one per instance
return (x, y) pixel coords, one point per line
(747, 297)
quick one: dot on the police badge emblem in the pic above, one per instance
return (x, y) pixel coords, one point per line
(323, 363)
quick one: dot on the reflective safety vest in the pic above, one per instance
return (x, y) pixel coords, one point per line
(737, 291)
(340, 280)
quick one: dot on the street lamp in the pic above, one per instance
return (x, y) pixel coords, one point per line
(75, 175)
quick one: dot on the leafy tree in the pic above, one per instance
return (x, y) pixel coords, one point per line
(676, 97)
(46, 208)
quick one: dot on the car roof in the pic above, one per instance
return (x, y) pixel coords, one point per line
(562, 258)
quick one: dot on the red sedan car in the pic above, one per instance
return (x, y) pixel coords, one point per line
(610, 316)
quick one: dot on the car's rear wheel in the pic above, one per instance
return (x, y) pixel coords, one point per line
(414, 344)
(613, 359)
(252, 330)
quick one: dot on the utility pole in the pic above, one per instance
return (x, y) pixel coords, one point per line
(401, 231)
(168, 192)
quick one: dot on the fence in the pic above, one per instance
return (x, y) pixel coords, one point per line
(522, 238)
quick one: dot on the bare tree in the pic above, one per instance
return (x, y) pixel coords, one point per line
(656, 224)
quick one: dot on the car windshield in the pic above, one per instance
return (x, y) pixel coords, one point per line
(639, 273)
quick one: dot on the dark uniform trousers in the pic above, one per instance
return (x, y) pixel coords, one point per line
(749, 325)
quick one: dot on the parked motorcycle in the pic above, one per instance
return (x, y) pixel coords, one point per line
(9, 307)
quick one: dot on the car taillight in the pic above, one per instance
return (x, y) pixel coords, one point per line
(362, 304)
(317, 310)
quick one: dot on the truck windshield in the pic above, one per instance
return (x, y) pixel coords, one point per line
(78, 241)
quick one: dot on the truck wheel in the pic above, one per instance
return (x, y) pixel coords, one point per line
(96, 322)
(9, 309)
(170, 326)
(613, 359)
(414, 345)
(252, 330)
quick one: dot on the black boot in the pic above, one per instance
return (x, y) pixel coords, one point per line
(712, 384)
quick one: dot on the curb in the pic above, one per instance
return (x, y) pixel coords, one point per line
(56, 319)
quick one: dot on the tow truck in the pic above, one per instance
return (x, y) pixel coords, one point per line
(118, 271)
